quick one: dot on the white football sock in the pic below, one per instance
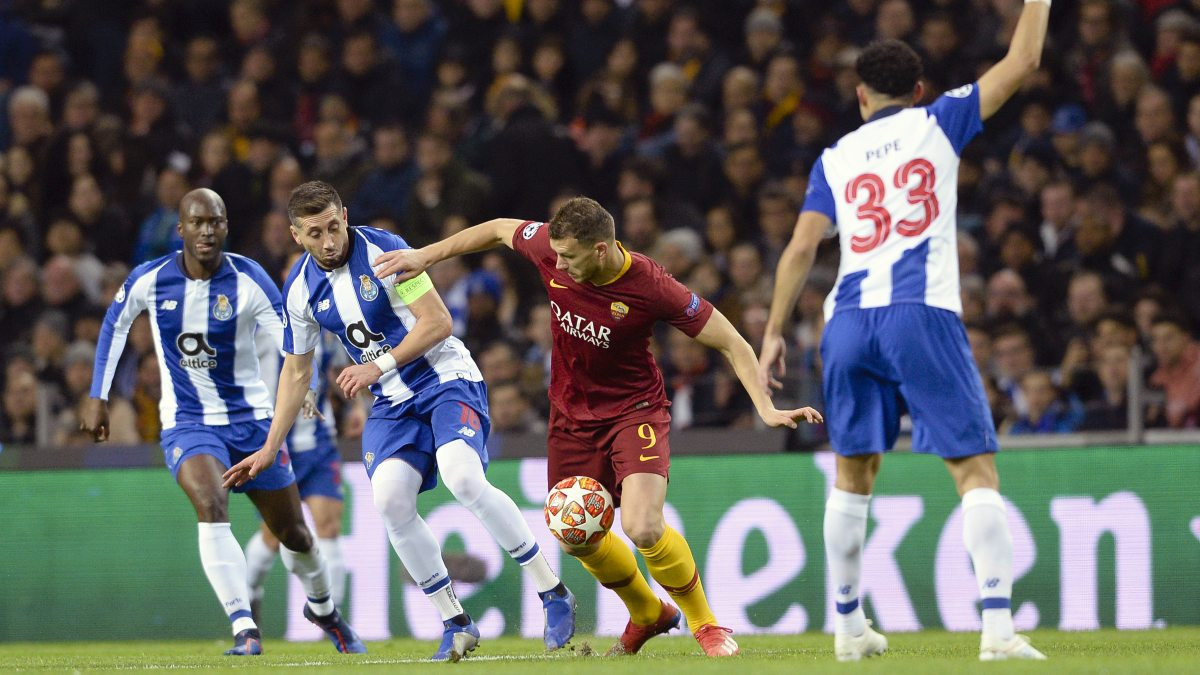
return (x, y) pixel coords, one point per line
(309, 567)
(462, 472)
(225, 566)
(845, 530)
(395, 486)
(259, 561)
(336, 562)
(986, 535)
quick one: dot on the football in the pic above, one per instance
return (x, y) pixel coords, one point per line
(579, 511)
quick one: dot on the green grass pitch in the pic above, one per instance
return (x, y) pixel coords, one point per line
(1172, 650)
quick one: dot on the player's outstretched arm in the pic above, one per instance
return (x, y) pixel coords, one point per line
(1024, 55)
(433, 325)
(294, 379)
(792, 271)
(408, 263)
(719, 334)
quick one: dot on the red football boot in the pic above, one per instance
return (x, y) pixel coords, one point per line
(635, 636)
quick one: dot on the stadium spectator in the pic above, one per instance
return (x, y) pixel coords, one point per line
(386, 186)
(511, 412)
(1178, 373)
(158, 233)
(1048, 410)
(21, 411)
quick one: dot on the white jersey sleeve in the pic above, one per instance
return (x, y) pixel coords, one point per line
(131, 299)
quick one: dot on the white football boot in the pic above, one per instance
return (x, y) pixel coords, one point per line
(855, 648)
(1016, 647)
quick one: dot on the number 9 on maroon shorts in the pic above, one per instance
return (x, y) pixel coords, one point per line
(609, 453)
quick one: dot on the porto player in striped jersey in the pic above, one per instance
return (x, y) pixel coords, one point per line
(608, 416)
(209, 312)
(893, 328)
(430, 410)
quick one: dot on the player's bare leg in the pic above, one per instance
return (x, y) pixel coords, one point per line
(845, 530)
(670, 559)
(263, 547)
(222, 558)
(281, 513)
(989, 542)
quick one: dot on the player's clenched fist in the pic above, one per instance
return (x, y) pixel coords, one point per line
(356, 378)
(788, 418)
(93, 419)
(404, 263)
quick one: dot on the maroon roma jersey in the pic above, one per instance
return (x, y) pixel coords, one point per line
(601, 369)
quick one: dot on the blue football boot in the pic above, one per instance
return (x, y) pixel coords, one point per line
(559, 609)
(246, 643)
(457, 641)
(337, 630)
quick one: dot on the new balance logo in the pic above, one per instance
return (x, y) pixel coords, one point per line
(169, 305)
(467, 431)
(992, 583)
(844, 590)
(322, 305)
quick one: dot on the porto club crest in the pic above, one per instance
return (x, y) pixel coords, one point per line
(222, 309)
(367, 288)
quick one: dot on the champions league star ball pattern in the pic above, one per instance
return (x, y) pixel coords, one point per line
(579, 511)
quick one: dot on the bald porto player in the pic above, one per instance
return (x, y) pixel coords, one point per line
(208, 312)
(892, 320)
(608, 414)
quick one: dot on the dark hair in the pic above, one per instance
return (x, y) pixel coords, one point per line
(1175, 318)
(583, 219)
(311, 198)
(889, 67)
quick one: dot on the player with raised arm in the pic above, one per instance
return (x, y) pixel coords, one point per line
(312, 448)
(608, 409)
(893, 328)
(207, 310)
(430, 411)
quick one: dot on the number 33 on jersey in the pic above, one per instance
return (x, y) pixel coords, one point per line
(891, 188)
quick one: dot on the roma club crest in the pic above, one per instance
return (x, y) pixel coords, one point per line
(619, 310)
(367, 288)
(222, 310)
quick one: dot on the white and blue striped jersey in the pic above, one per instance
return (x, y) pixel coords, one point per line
(369, 319)
(207, 333)
(891, 188)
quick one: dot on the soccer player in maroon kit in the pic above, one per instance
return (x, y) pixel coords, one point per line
(608, 408)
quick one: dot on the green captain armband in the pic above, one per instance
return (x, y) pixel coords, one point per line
(414, 288)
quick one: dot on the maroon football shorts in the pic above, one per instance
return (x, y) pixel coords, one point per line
(609, 453)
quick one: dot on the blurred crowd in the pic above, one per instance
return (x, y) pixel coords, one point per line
(694, 123)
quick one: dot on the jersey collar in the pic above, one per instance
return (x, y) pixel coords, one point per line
(624, 267)
(885, 112)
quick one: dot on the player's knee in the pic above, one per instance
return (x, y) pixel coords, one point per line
(578, 551)
(296, 537)
(211, 509)
(644, 532)
(329, 528)
(396, 508)
(467, 487)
